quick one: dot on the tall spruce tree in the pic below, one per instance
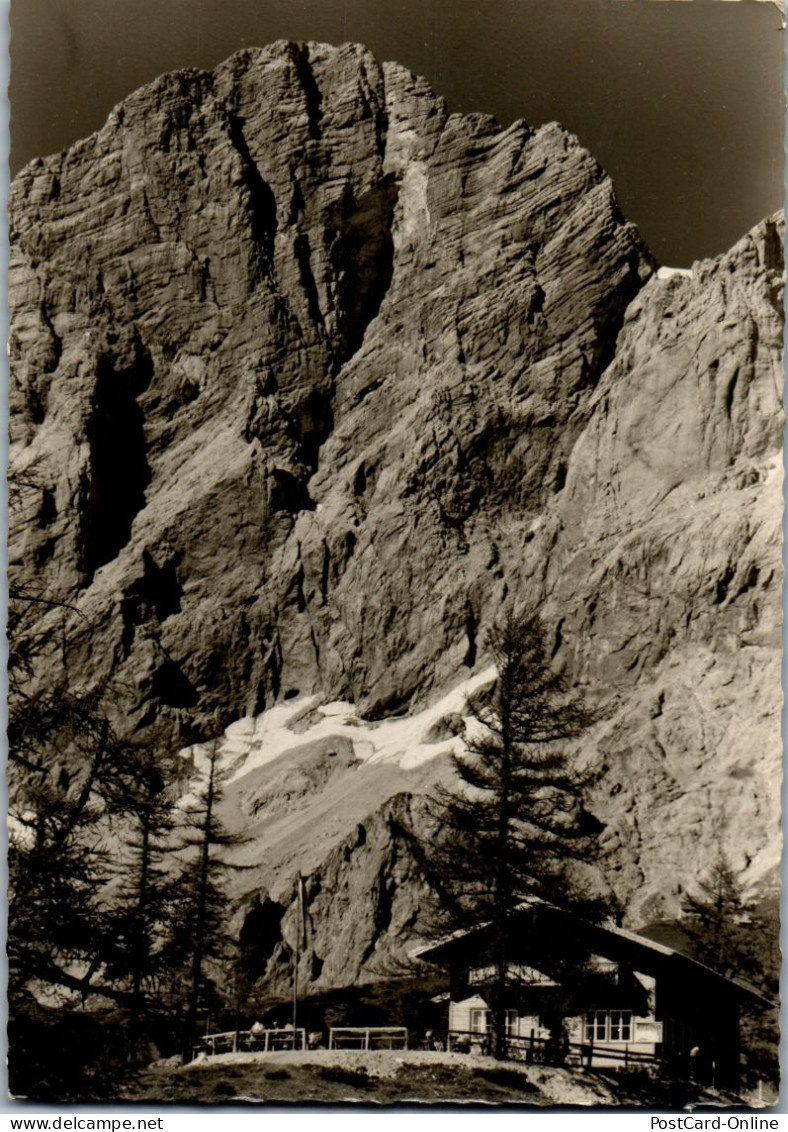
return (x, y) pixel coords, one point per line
(199, 928)
(143, 901)
(717, 918)
(515, 820)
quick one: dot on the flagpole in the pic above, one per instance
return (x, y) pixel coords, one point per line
(299, 917)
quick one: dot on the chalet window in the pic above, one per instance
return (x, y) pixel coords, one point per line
(608, 1026)
(481, 1020)
(620, 1025)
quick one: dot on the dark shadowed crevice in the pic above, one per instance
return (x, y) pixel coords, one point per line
(610, 317)
(559, 638)
(154, 596)
(310, 423)
(171, 685)
(325, 573)
(360, 480)
(55, 342)
(383, 898)
(298, 582)
(750, 581)
(730, 392)
(471, 629)
(260, 934)
(47, 512)
(261, 198)
(303, 255)
(314, 99)
(363, 260)
(288, 493)
(118, 472)
(722, 584)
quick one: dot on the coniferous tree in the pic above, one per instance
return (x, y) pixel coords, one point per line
(144, 900)
(199, 927)
(74, 788)
(740, 939)
(61, 751)
(63, 785)
(511, 826)
(716, 918)
(65, 775)
(99, 903)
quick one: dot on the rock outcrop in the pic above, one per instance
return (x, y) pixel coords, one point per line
(666, 558)
(361, 908)
(277, 329)
(313, 376)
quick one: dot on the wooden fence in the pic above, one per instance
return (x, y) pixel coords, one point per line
(258, 1041)
(532, 1049)
(543, 1051)
(368, 1037)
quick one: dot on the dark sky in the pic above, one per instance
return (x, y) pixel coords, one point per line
(681, 102)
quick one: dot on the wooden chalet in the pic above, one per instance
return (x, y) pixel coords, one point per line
(625, 1000)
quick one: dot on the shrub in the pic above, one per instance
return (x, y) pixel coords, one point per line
(357, 1078)
(508, 1079)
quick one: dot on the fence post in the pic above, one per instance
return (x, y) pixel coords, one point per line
(626, 1057)
(591, 1052)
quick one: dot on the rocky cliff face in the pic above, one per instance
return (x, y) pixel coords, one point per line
(314, 375)
(667, 561)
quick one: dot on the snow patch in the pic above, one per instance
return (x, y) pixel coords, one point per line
(665, 273)
(253, 741)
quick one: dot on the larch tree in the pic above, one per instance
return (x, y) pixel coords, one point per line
(515, 820)
(144, 897)
(199, 927)
(67, 779)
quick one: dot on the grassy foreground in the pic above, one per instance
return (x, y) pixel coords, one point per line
(392, 1077)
